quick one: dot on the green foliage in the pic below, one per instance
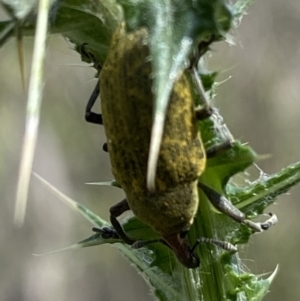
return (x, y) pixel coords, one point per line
(176, 27)
(222, 275)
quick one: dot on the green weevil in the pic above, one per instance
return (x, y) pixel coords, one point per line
(127, 106)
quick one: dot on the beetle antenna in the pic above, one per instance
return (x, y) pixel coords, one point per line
(225, 245)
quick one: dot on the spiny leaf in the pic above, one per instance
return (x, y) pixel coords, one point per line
(6, 31)
(84, 22)
(144, 258)
(89, 23)
(86, 213)
(240, 7)
(252, 287)
(91, 241)
(19, 9)
(263, 192)
(175, 29)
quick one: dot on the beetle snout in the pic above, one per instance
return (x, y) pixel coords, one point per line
(182, 250)
(191, 260)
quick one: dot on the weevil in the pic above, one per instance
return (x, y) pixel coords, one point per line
(127, 106)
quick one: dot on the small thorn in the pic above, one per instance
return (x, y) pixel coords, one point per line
(21, 54)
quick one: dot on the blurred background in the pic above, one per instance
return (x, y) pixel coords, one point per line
(259, 100)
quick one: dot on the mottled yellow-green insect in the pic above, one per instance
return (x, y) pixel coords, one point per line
(127, 114)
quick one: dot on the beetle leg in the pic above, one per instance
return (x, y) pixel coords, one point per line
(106, 232)
(225, 206)
(203, 112)
(118, 232)
(116, 211)
(269, 222)
(89, 115)
(219, 148)
(142, 243)
(203, 47)
(225, 245)
(105, 147)
(94, 117)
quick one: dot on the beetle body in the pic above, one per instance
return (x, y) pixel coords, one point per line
(127, 110)
(127, 114)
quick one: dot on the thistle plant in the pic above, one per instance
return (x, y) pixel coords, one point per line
(176, 28)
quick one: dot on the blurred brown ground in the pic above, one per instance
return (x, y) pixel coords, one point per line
(259, 103)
